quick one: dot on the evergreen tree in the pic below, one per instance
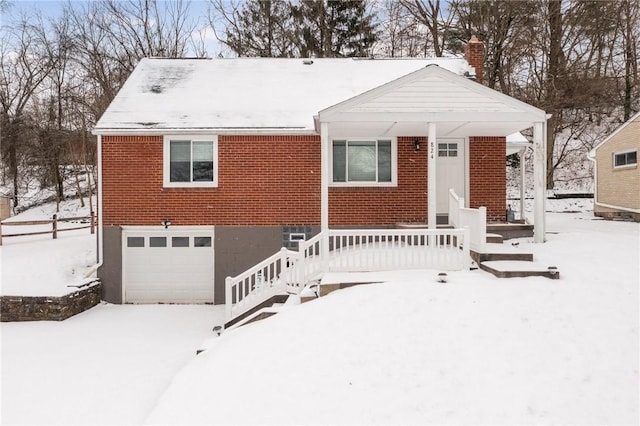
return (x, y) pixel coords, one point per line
(334, 28)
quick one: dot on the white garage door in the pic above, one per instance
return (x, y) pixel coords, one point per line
(172, 265)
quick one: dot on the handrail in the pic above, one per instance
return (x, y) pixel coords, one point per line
(258, 283)
(349, 250)
(474, 219)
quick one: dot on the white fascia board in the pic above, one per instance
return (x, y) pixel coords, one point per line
(615, 132)
(442, 116)
(209, 131)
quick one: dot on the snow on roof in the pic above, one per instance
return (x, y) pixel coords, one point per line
(516, 142)
(248, 93)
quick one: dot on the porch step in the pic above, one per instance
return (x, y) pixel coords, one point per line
(495, 238)
(258, 315)
(505, 251)
(511, 230)
(332, 281)
(269, 303)
(518, 269)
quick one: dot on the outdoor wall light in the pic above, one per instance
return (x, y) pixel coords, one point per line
(442, 277)
(416, 144)
(166, 223)
(553, 270)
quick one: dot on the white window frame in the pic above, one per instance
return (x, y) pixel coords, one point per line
(625, 166)
(167, 163)
(394, 162)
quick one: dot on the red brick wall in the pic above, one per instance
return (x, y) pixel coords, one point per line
(262, 180)
(487, 177)
(275, 180)
(386, 205)
(474, 54)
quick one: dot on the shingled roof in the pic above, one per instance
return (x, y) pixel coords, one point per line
(248, 93)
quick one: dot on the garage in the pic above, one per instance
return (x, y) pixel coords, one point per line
(173, 265)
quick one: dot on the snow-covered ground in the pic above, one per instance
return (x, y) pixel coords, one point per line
(106, 366)
(38, 265)
(477, 350)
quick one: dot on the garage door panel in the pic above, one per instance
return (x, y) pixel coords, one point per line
(180, 272)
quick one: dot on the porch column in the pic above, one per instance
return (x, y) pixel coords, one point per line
(324, 176)
(521, 155)
(540, 180)
(324, 193)
(431, 177)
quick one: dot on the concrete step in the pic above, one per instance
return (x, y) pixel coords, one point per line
(279, 298)
(518, 269)
(504, 251)
(511, 230)
(495, 238)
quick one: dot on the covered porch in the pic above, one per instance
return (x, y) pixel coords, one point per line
(440, 115)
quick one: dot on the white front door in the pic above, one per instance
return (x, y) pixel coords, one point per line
(172, 265)
(449, 172)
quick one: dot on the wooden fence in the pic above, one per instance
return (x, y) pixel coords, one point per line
(54, 226)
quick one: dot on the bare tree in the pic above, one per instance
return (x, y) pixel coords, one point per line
(24, 65)
(255, 27)
(401, 35)
(110, 37)
(630, 18)
(434, 15)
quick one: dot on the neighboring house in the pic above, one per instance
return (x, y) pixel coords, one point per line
(209, 166)
(617, 176)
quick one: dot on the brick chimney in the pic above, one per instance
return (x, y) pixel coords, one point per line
(474, 54)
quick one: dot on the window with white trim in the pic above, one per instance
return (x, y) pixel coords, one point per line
(625, 159)
(363, 162)
(190, 161)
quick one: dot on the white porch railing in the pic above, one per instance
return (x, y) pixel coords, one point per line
(258, 284)
(473, 219)
(348, 251)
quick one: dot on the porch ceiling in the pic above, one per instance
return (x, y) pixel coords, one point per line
(448, 129)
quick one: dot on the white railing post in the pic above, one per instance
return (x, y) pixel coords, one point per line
(466, 250)
(482, 229)
(228, 296)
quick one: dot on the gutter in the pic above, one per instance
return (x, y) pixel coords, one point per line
(207, 131)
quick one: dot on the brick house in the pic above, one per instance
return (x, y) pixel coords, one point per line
(209, 166)
(617, 176)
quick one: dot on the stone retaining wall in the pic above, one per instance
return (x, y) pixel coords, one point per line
(30, 308)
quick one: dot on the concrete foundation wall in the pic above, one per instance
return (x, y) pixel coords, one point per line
(111, 270)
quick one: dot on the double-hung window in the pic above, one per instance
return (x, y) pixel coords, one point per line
(363, 162)
(625, 159)
(190, 161)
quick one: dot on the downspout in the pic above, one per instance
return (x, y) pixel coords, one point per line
(99, 248)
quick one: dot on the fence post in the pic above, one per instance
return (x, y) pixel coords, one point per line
(93, 225)
(54, 221)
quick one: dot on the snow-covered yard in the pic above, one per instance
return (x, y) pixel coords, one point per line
(477, 350)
